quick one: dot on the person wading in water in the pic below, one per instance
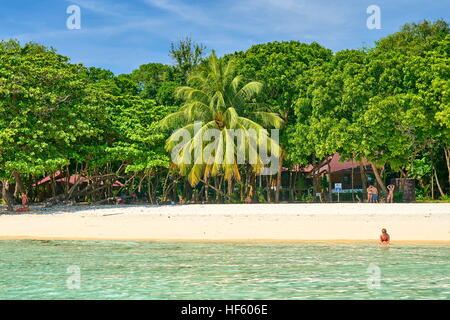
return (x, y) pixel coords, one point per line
(384, 238)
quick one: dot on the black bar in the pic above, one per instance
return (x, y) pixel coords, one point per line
(228, 309)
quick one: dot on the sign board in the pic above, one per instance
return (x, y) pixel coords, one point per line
(347, 191)
(338, 187)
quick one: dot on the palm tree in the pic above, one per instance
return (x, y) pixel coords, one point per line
(214, 102)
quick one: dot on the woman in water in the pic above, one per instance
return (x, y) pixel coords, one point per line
(384, 237)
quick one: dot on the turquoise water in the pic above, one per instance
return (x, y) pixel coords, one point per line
(191, 270)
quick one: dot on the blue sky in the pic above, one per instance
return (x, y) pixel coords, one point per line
(121, 35)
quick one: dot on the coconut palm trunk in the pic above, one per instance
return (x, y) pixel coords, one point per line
(279, 176)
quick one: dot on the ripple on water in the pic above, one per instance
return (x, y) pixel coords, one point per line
(37, 269)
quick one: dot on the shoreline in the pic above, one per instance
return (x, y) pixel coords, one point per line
(302, 223)
(281, 241)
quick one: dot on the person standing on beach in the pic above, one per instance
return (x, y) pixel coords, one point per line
(390, 198)
(24, 203)
(250, 196)
(374, 194)
(369, 194)
(24, 200)
(385, 238)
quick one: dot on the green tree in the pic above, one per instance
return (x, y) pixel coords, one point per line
(42, 109)
(216, 98)
(150, 77)
(187, 55)
(280, 65)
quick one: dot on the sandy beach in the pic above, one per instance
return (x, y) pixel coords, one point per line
(407, 223)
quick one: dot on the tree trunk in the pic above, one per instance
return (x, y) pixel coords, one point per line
(253, 184)
(66, 185)
(174, 191)
(314, 177)
(268, 186)
(220, 191)
(53, 186)
(317, 188)
(248, 176)
(379, 180)
(438, 184)
(409, 191)
(279, 174)
(6, 194)
(30, 189)
(217, 186)
(291, 189)
(206, 189)
(149, 189)
(295, 185)
(362, 172)
(230, 187)
(330, 185)
(353, 182)
(74, 188)
(19, 185)
(447, 158)
(432, 187)
(164, 187)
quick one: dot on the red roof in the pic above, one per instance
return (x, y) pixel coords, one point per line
(335, 165)
(74, 178)
(117, 183)
(48, 178)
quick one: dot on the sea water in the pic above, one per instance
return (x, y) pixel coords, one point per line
(31, 269)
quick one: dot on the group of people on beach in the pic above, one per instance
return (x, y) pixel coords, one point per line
(372, 194)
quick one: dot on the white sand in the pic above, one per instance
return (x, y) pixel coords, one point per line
(415, 223)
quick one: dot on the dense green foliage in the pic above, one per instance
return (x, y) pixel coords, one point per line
(389, 104)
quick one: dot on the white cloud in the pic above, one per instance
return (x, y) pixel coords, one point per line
(224, 25)
(188, 12)
(111, 9)
(284, 19)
